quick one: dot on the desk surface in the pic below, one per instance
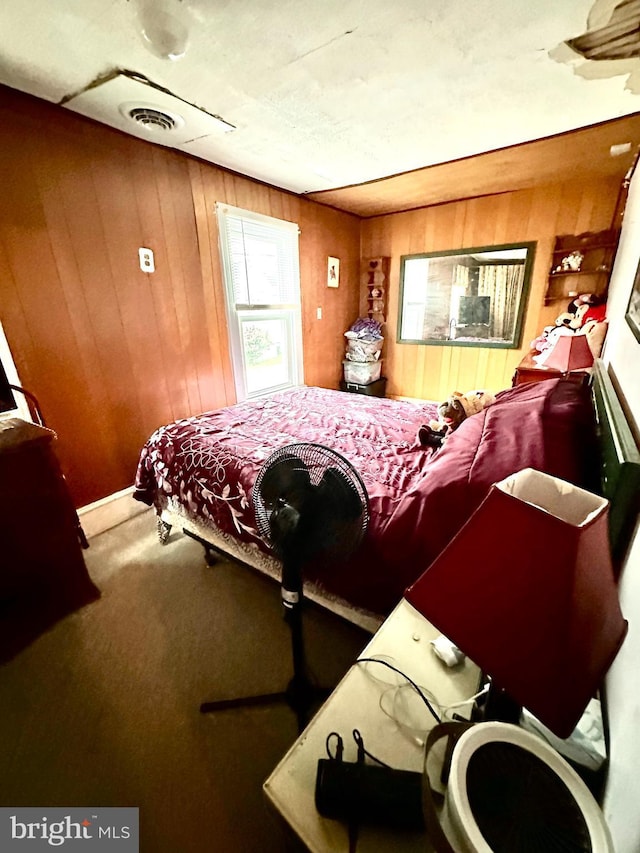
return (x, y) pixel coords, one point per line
(404, 640)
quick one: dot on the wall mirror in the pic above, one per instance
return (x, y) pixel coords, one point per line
(465, 297)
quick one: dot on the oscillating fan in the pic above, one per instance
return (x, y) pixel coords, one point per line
(309, 503)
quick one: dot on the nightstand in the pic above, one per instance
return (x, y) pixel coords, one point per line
(530, 371)
(371, 389)
(405, 638)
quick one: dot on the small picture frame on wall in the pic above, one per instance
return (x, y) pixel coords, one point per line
(333, 272)
(633, 308)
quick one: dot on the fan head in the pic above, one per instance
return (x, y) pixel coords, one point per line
(310, 500)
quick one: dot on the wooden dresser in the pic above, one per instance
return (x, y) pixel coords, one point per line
(42, 571)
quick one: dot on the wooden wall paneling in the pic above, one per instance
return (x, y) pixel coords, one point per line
(276, 203)
(159, 215)
(528, 215)
(207, 340)
(184, 275)
(207, 187)
(326, 232)
(117, 209)
(477, 226)
(582, 154)
(580, 207)
(206, 353)
(56, 372)
(420, 368)
(309, 297)
(154, 293)
(291, 207)
(95, 298)
(228, 194)
(521, 223)
(243, 193)
(91, 394)
(80, 199)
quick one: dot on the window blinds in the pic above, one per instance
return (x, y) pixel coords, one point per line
(262, 259)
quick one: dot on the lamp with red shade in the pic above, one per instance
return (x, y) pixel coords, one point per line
(570, 352)
(527, 590)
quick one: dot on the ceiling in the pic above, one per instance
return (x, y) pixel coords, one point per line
(317, 98)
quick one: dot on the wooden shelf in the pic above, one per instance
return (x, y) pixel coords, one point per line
(375, 277)
(593, 253)
(554, 275)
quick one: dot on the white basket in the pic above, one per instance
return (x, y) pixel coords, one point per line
(362, 372)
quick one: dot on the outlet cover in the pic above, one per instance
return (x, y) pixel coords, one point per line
(146, 260)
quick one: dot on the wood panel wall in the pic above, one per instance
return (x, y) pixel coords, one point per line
(539, 214)
(112, 352)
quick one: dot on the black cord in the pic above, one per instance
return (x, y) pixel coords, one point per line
(362, 751)
(405, 676)
(339, 746)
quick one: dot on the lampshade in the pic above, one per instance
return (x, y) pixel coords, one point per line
(526, 589)
(570, 352)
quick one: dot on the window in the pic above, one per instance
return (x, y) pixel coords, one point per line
(13, 404)
(262, 288)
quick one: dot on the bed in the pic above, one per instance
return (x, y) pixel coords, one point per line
(198, 474)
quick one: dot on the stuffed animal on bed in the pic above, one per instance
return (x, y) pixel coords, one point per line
(451, 413)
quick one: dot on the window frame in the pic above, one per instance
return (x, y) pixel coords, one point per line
(515, 340)
(236, 312)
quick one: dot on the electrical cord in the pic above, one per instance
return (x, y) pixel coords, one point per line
(362, 751)
(408, 679)
(445, 711)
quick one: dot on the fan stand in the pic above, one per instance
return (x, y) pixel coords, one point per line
(300, 694)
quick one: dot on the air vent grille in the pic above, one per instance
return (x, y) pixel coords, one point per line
(153, 119)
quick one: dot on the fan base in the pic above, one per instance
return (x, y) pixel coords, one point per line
(300, 695)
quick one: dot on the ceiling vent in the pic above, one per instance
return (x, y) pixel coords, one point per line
(135, 105)
(151, 118)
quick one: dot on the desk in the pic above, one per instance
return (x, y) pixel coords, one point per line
(403, 639)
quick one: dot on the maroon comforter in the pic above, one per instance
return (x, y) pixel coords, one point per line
(418, 498)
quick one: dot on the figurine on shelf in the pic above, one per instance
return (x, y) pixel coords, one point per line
(572, 262)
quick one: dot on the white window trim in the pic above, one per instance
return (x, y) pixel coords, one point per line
(293, 309)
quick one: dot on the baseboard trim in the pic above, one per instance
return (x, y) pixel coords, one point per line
(106, 513)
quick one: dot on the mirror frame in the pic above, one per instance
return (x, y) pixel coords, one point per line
(516, 340)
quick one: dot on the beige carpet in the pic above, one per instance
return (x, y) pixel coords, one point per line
(103, 709)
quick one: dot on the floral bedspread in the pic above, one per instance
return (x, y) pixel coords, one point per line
(210, 462)
(419, 498)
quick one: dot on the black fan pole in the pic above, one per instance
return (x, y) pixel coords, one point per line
(309, 501)
(300, 694)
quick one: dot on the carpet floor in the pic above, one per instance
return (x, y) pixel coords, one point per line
(103, 708)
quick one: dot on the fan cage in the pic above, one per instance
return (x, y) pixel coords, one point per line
(316, 459)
